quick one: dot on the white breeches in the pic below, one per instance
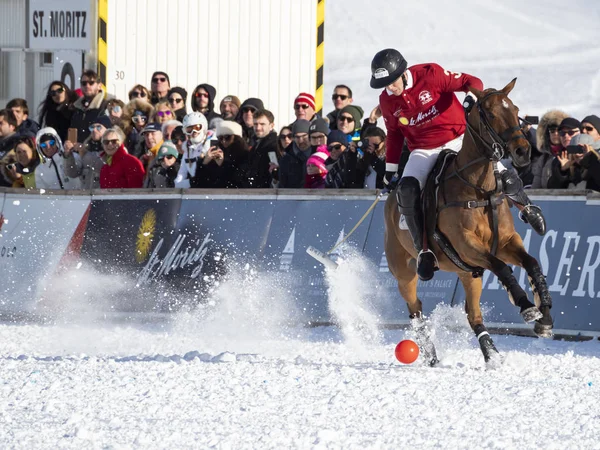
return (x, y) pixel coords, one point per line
(420, 162)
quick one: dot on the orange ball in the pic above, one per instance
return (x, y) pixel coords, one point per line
(407, 351)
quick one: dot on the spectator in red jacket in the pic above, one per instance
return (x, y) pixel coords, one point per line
(121, 171)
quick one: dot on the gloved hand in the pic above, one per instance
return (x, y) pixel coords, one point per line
(390, 179)
(469, 102)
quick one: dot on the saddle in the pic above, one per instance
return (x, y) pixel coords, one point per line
(429, 206)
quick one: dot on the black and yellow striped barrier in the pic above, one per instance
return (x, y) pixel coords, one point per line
(320, 55)
(102, 40)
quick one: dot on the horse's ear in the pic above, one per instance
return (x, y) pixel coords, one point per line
(509, 87)
(476, 92)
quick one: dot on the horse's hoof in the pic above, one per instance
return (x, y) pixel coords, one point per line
(494, 362)
(531, 314)
(543, 331)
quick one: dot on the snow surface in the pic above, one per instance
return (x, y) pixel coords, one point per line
(236, 374)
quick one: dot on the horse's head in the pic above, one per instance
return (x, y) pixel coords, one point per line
(496, 118)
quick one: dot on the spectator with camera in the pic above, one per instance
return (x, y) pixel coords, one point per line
(27, 159)
(342, 162)
(549, 146)
(264, 150)
(195, 127)
(226, 162)
(371, 167)
(164, 169)
(591, 125)
(292, 165)
(50, 172)
(121, 170)
(56, 110)
(342, 96)
(89, 162)
(566, 171)
(576, 167)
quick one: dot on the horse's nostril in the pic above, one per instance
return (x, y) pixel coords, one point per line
(521, 152)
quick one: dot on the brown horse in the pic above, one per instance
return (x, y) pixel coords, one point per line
(468, 193)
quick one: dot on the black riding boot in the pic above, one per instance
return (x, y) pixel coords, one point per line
(529, 213)
(408, 195)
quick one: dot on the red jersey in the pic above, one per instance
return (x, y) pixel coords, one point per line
(427, 113)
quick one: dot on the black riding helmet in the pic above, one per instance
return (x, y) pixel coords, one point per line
(387, 66)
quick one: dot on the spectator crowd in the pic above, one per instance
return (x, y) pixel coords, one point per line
(86, 139)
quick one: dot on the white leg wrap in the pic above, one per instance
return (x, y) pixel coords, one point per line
(483, 333)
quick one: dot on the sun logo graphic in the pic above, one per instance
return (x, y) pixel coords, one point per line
(145, 235)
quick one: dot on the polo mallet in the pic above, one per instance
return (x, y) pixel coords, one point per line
(324, 258)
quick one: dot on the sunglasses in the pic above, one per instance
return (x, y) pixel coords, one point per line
(116, 109)
(588, 128)
(570, 132)
(225, 137)
(298, 106)
(248, 109)
(340, 96)
(57, 91)
(193, 129)
(159, 79)
(136, 94)
(163, 113)
(139, 119)
(47, 144)
(201, 94)
(177, 140)
(96, 127)
(301, 136)
(111, 142)
(285, 136)
(553, 130)
(87, 83)
(175, 100)
(345, 119)
(334, 147)
(169, 157)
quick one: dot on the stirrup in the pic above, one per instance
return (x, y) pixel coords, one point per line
(427, 264)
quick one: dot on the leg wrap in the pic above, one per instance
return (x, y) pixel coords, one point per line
(540, 286)
(518, 295)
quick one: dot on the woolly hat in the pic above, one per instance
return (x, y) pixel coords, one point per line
(103, 120)
(304, 97)
(593, 120)
(231, 99)
(255, 103)
(570, 122)
(300, 126)
(318, 158)
(167, 148)
(163, 74)
(179, 90)
(337, 136)
(228, 127)
(319, 125)
(355, 111)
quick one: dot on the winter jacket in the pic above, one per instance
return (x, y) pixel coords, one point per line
(258, 161)
(332, 119)
(591, 165)
(342, 173)
(371, 170)
(191, 160)
(122, 171)
(86, 114)
(59, 118)
(50, 172)
(28, 128)
(230, 174)
(89, 166)
(159, 177)
(292, 167)
(541, 167)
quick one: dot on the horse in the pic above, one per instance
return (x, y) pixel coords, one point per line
(474, 216)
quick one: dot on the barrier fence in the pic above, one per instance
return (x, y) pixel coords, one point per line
(186, 241)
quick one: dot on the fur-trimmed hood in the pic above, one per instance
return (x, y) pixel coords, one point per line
(137, 104)
(552, 117)
(96, 102)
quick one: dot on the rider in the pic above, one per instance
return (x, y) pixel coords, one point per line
(419, 105)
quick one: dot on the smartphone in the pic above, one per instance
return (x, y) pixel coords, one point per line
(72, 135)
(273, 157)
(214, 143)
(575, 149)
(533, 120)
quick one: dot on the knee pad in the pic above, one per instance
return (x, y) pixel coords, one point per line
(408, 195)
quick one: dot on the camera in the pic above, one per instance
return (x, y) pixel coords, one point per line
(531, 120)
(11, 166)
(363, 144)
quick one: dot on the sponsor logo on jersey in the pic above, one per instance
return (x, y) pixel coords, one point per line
(403, 121)
(424, 116)
(425, 97)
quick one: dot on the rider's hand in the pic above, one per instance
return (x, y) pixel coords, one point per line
(390, 179)
(469, 102)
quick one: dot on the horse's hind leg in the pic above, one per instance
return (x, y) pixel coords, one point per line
(514, 253)
(473, 288)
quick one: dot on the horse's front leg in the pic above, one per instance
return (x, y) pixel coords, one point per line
(473, 288)
(514, 253)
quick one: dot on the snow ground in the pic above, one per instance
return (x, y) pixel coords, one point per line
(241, 378)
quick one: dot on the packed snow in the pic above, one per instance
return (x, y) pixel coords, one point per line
(237, 373)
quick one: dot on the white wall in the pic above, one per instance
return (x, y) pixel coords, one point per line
(258, 48)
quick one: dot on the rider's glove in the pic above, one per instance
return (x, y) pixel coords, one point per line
(469, 102)
(390, 180)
